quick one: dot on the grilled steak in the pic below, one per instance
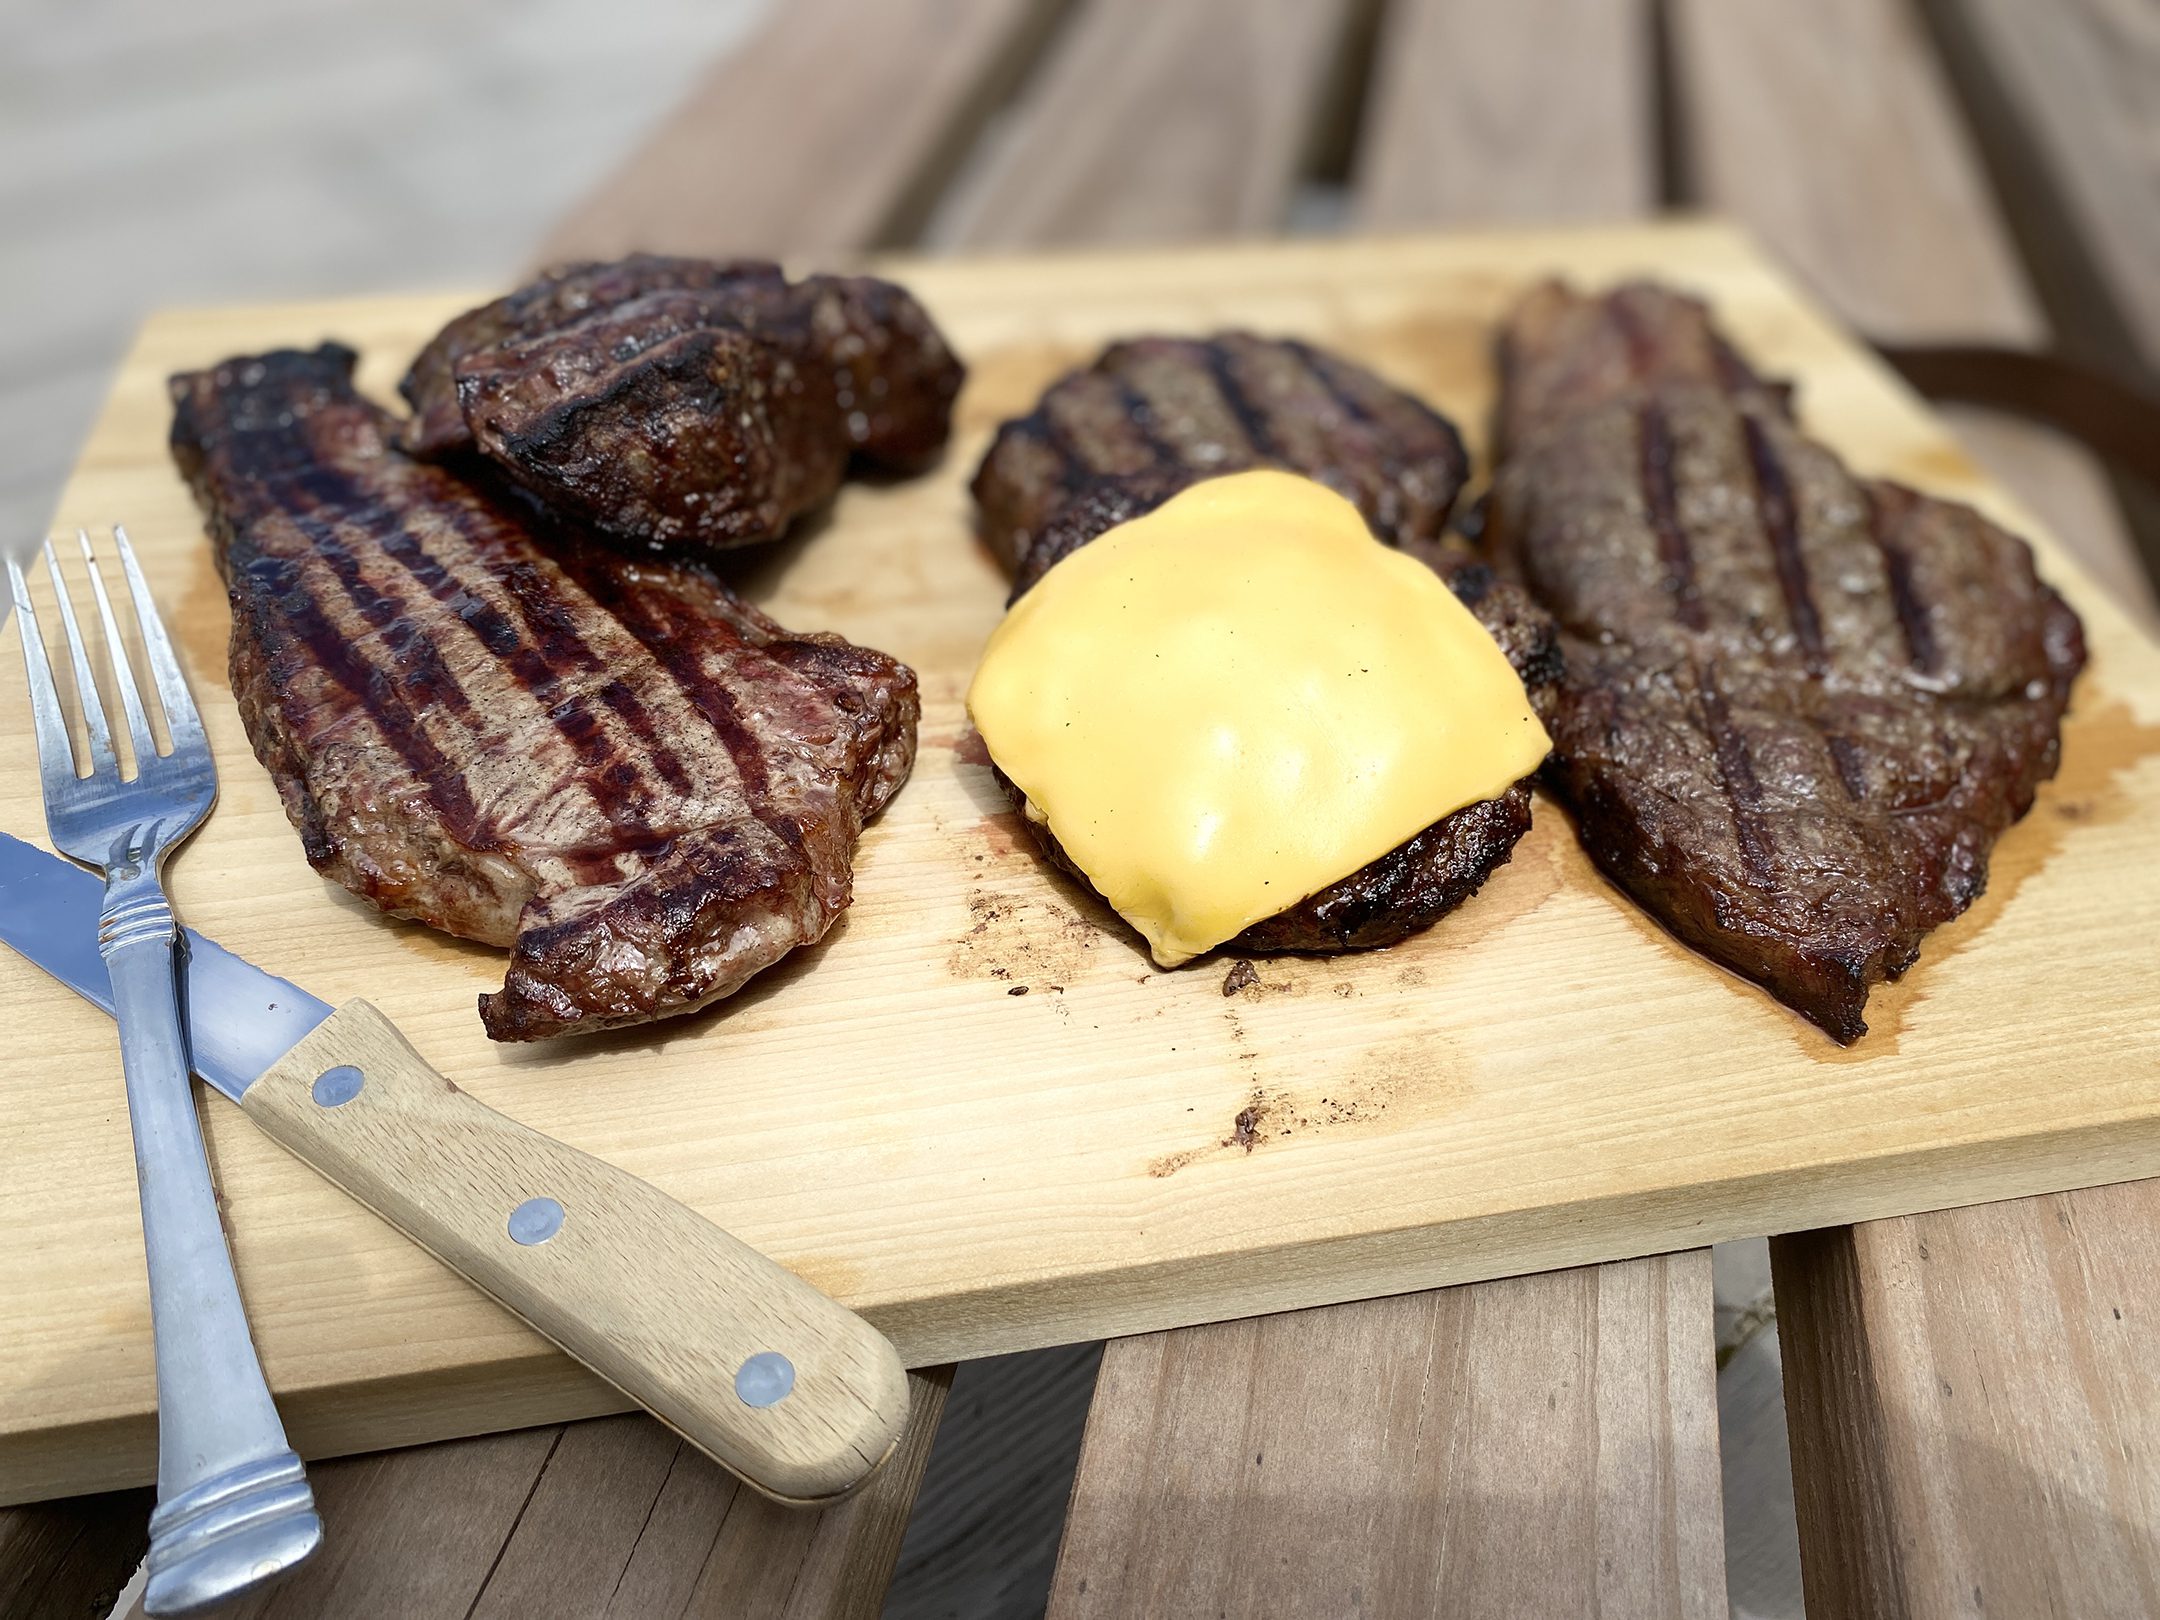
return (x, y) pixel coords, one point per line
(1420, 880)
(1798, 707)
(1186, 408)
(641, 785)
(685, 402)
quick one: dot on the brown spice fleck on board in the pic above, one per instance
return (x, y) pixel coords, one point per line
(1017, 990)
(1240, 975)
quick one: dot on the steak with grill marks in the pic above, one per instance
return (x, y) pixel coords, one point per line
(685, 402)
(640, 784)
(1037, 520)
(1178, 409)
(1798, 707)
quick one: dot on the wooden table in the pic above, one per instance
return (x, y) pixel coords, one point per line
(1969, 1393)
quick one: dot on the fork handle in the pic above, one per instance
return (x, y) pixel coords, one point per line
(234, 1509)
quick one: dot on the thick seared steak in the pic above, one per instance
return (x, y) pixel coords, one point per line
(1798, 707)
(641, 785)
(1428, 875)
(1178, 409)
(683, 402)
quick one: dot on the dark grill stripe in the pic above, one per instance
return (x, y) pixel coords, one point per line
(618, 788)
(640, 614)
(548, 622)
(1912, 613)
(1074, 466)
(276, 586)
(1251, 420)
(1674, 554)
(1736, 774)
(1851, 768)
(1323, 371)
(1140, 411)
(1773, 499)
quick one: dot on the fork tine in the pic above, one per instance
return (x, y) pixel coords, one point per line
(183, 723)
(86, 692)
(123, 671)
(56, 751)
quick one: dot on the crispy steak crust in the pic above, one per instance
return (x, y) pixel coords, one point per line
(644, 787)
(1422, 879)
(1180, 409)
(1798, 707)
(685, 402)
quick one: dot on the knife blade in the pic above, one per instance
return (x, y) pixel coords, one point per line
(243, 1019)
(777, 1382)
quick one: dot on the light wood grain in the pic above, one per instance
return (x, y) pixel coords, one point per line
(1973, 1420)
(1538, 111)
(1156, 123)
(657, 1300)
(870, 105)
(1541, 1081)
(1383, 1458)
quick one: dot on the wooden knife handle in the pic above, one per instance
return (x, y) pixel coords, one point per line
(738, 1355)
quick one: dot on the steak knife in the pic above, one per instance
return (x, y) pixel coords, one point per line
(774, 1380)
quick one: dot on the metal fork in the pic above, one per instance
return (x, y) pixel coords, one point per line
(234, 1509)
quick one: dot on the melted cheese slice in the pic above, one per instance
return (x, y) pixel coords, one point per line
(1236, 700)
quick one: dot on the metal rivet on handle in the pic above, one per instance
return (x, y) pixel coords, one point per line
(536, 1220)
(334, 1088)
(765, 1379)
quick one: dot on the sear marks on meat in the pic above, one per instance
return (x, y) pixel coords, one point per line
(1428, 875)
(644, 787)
(684, 402)
(1798, 707)
(1181, 409)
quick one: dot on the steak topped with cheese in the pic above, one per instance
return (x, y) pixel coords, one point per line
(1154, 415)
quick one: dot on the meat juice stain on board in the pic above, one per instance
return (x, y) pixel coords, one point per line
(2102, 740)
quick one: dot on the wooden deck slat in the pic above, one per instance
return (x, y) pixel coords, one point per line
(615, 1516)
(2079, 78)
(830, 131)
(1840, 145)
(1973, 1421)
(1972, 1428)
(1536, 111)
(1531, 1446)
(1157, 123)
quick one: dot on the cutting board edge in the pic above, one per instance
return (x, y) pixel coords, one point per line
(517, 1392)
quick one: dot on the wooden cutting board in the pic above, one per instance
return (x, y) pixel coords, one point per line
(978, 1113)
